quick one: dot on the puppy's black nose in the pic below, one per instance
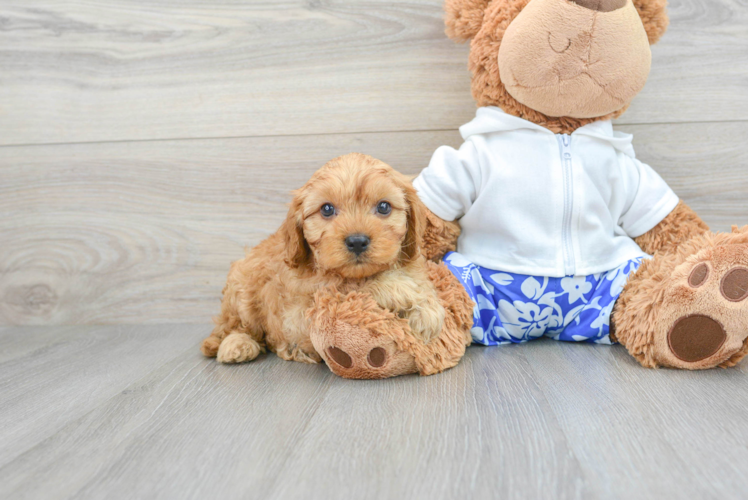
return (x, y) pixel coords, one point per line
(357, 243)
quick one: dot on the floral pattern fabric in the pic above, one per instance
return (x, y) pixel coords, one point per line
(514, 308)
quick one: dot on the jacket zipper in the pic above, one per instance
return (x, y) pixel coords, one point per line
(568, 247)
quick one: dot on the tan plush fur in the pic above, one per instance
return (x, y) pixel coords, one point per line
(562, 59)
(269, 292)
(356, 324)
(661, 295)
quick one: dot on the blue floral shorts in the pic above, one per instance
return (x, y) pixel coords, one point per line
(513, 308)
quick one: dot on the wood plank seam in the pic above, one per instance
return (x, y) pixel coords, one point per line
(616, 124)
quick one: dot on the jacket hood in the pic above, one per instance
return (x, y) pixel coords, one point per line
(490, 119)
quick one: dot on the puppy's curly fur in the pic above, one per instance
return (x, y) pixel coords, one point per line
(269, 292)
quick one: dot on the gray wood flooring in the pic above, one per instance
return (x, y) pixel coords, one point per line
(136, 412)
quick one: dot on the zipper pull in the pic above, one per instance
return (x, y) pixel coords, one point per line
(566, 140)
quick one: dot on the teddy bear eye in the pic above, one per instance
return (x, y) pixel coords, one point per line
(384, 208)
(327, 210)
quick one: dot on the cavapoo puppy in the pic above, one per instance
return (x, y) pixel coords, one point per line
(355, 226)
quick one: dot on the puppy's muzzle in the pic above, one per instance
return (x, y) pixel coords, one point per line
(357, 243)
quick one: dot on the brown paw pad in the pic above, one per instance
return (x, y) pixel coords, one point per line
(340, 357)
(734, 284)
(377, 357)
(699, 275)
(696, 337)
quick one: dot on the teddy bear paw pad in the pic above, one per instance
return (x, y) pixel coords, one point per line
(376, 358)
(339, 356)
(694, 338)
(734, 286)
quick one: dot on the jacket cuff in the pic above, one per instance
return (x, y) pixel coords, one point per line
(432, 202)
(661, 210)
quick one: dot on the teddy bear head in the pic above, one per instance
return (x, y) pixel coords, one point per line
(558, 63)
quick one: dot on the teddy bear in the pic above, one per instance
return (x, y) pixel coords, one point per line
(564, 232)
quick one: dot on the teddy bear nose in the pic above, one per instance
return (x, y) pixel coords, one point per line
(601, 5)
(357, 243)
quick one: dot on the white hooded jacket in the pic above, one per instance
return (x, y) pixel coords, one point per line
(543, 204)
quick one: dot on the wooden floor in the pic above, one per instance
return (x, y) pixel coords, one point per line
(136, 412)
(145, 143)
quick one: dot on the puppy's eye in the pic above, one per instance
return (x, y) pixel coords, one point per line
(327, 210)
(384, 208)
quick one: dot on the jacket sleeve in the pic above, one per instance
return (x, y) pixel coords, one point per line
(450, 184)
(648, 197)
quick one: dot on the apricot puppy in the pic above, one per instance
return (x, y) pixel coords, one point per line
(355, 226)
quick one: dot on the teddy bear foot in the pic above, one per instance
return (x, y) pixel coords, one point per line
(700, 318)
(356, 338)
(359, 339)
(708, 318)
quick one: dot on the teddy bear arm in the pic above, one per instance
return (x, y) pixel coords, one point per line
(440, 236)
(679, 226)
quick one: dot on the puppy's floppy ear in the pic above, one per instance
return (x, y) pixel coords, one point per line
(298, 252)
(464, 18)
(413, 242)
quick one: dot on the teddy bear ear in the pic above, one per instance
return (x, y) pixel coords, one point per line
(463, 18)
(654, 17)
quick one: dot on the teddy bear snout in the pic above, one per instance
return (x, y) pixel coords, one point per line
(590, 58)
(601, 5)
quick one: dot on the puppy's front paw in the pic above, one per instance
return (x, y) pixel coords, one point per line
(238, 348)
(426, 323)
